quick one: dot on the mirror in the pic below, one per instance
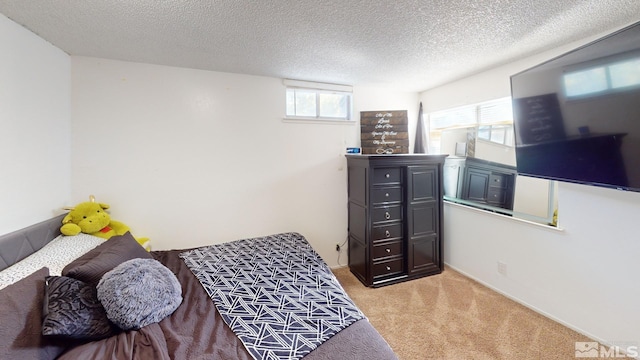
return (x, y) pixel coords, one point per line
(480, 172)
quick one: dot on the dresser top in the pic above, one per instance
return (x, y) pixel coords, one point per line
(391, 156)
(397, 158)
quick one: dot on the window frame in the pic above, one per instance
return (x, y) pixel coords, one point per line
(608, 67)
(319, 89)
(506, 129)
(472, 115)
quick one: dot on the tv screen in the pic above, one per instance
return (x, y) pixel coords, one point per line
(577, 116)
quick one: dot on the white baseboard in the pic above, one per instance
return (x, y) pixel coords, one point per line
(524, 303)
(529, 306)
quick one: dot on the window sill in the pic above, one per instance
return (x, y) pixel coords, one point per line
(506, 217)
(318, 121)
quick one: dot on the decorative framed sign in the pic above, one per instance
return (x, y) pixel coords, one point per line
(384, 132)
(541, 119)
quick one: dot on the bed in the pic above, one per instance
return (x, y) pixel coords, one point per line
(227, 310)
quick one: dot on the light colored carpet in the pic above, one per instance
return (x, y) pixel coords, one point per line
(449, 316)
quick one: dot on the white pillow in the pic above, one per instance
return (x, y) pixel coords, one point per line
(55, 255)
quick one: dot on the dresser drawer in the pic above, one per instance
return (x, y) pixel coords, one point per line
(387, 176)
(387, 249)
(386, 232)
(387, 268)
(386, 195)
(497, 196)
(386, 213)
(497, 180)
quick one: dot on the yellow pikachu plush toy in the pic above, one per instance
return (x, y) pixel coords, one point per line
(91, 218)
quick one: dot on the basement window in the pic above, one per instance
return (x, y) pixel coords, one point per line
(317, 101)
(492, 120)
(603, 79)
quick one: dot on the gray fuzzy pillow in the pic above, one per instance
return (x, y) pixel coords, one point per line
(139, 292)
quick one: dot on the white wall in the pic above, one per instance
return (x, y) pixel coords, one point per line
(584, 276)
(34, 128)
(190, 157)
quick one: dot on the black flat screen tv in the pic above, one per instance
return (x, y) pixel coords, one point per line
(577, 116)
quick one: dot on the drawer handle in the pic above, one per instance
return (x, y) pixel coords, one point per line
(386, 194)
(387, 234)
(387, 215)
(387, 175)
(388, 250)
(388, 268)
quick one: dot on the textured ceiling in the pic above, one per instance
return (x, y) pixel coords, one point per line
(405, 44)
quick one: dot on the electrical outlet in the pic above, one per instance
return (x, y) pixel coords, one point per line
(502, 268)
(337, 247)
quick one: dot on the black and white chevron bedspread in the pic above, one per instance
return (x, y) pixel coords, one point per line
(275, 292)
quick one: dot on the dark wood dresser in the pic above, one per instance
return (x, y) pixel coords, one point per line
(395, 217)
(480, 181)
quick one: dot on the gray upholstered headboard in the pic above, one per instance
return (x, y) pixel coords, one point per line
(21, 243)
